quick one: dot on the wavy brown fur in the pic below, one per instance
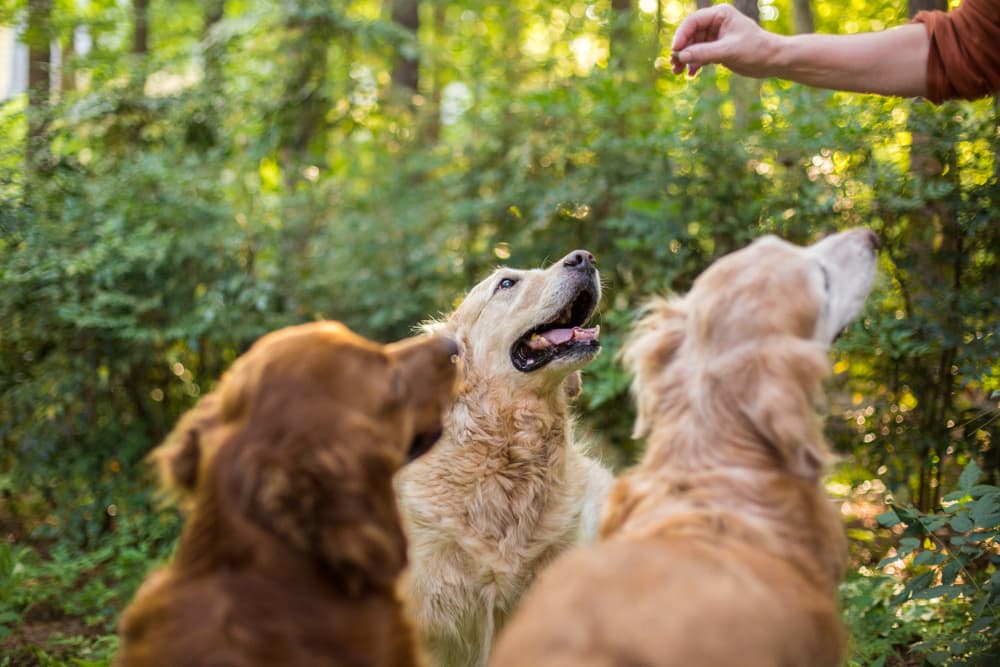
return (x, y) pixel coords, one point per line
(293, 544)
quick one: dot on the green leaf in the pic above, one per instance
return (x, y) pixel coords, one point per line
(915, 585)
(970, 475)
(906, 514)
(938, 657)
(888, 519)
(986, 511)
(961, 523)
(981, 624)
(982, 490)
(954, 496)
(950, 571)
(935, 522)
(949, 591)
(888, 560)
(928, 558)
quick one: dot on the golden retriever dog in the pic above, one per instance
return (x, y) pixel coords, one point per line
(292, 547)
(721, 548)
(508, 488)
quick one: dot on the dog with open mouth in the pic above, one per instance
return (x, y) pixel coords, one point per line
(721, 547)
(507, 488)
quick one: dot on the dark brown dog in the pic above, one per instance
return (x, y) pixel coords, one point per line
(292, 548)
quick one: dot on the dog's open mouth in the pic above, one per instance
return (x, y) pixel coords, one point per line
(562, 336)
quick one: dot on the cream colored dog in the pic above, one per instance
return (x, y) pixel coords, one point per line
(720, 549)
(506, 489)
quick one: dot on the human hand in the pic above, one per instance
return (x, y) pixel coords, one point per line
(722, 34)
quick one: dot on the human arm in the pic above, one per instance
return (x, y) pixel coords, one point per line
(890, 62)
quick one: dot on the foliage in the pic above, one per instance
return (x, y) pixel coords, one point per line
(256, 168)
(884, 633)
(955, 557)
(78, 593)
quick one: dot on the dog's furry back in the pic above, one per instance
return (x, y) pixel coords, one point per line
(720, 549)
(293, 546)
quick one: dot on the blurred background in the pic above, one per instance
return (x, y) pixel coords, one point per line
(178, 178)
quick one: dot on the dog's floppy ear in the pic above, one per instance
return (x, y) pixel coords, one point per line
(178, 458)
(776, 386)
(649, 350)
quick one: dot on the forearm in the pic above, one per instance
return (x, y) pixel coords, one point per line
(891, 62)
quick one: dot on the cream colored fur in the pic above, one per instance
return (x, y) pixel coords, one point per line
(507, 488)
(720, 549)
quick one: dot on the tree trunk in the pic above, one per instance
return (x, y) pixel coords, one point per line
(929, 5)
(803, 16)
(67, 79)
(745, 90)
(214, 11)
(140, 34)
(935, 240)
(38, 36)
(406, 67)
(302, 123)
(431, 127)
(203, 128)
(621, 33)
(702, 4)
(513, 26)
(748, 7)
(140, 42)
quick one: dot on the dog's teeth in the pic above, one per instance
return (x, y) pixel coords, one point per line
(537, 342)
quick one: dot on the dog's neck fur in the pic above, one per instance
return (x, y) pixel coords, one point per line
(530, 423)
(512, 458)
(723, 479)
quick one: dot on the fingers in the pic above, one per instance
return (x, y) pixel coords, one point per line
(706, 53)
(692, 46)
(700, 26)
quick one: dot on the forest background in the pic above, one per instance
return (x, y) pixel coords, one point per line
(181, 177)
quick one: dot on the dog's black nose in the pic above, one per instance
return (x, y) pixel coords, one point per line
(873, 240)
(579, 259)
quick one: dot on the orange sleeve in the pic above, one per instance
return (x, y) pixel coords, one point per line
(964, 58)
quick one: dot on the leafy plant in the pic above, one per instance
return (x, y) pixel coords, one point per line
(952, 556)
(14, 568)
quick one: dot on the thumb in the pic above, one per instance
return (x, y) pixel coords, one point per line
(698, 55)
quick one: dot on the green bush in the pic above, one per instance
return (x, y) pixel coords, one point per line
(952, 558)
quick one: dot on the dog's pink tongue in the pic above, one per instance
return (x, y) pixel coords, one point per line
(558, 336)
(547, 339)
(561, 336)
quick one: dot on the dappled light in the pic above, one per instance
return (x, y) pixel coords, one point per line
(169, 196)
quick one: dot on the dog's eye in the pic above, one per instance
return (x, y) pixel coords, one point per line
(506, 283)
(826, 278)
